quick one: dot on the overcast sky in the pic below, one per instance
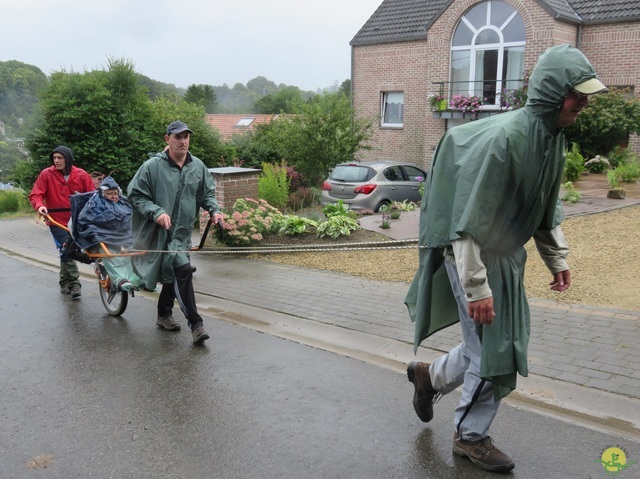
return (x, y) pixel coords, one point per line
(296, 42)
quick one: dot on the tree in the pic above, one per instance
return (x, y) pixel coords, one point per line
(103, 116)
(20, 85)
(10, 155)
(285, 100)
(322, 133)
(203, 95)
(206, 143)
(156, 89)
(345, 87)
(110, 124)
(606, 122)
(261, 86)
(256, 146)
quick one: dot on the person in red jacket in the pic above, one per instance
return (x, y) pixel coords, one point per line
(50, 195)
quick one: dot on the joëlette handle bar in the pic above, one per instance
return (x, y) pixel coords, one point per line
(108, 254)
(206, 232)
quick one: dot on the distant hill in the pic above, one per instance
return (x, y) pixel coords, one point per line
(20, 84)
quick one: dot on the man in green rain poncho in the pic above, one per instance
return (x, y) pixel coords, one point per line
(166, 193)
(492, 186)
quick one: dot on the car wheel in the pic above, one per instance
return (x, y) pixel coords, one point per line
(382, 206)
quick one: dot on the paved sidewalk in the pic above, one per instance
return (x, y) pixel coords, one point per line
(582, 358)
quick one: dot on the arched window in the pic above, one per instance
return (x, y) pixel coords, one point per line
(487, 52)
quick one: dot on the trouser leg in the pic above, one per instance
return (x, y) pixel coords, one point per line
(477, 408)
(69, 274)
(185, 294)
(165, 300)
(182, 290)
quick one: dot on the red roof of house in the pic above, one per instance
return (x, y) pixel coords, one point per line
(233, 124)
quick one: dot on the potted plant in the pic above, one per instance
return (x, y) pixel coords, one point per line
(438, 101)
(466, 103)
(615, 189)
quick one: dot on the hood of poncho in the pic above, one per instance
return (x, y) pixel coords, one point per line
(66, 152)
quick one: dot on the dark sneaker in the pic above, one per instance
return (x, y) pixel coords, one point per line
(65, 289)
(424, 396)
(483, 454)
(199, 335)
(168, 323)
(75, 292)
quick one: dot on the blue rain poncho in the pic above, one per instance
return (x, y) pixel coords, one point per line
(100, 220)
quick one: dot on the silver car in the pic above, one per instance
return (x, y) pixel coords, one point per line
(372, 184)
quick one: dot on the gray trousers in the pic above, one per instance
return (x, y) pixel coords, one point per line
(461, 366)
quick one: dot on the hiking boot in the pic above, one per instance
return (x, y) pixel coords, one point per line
(75, 292)
(483, 454)
(65, 289)
(199, 335)
(424, 395)
(168, 323)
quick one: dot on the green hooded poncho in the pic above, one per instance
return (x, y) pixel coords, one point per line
(160, 186)
(498, 180)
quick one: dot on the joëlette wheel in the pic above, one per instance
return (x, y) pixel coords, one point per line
(115, 303)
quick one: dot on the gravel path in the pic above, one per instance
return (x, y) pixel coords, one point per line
(604, 260)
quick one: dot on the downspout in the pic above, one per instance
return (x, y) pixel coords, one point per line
(578, 36)
(353, 104)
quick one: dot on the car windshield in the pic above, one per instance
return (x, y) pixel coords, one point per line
(351, 173)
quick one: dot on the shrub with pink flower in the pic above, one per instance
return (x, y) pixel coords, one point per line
(465, 103)
(250, 221)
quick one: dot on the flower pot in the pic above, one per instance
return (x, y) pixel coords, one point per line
(442, 105)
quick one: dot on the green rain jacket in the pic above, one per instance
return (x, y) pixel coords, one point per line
(160, 186)
(498, 180)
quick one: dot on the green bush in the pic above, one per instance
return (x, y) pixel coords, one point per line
(404, 205)
(629, 172)
(250, 221)
(304, 197)
(574, 166)
(296, 225)
(571, 195)
(598, 164)
(619, 156)
(273, 184)
(338, 209)
(606, 122)
(11, 201)
(613, 178)
(336, 226)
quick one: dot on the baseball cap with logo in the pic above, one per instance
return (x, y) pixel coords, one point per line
(178, 127)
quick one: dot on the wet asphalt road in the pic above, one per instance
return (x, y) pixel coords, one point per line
(87, 395)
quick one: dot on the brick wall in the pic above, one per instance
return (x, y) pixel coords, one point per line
(232, 183)
(413, 67)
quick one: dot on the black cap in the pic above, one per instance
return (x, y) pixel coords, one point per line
(177, 127)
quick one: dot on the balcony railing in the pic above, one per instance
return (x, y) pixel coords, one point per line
(494, 95)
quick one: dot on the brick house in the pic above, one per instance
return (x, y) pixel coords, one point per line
(409, 50)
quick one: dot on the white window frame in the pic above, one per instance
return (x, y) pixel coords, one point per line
(473, 50)
(384, 109)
